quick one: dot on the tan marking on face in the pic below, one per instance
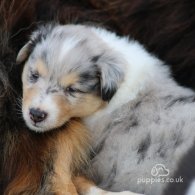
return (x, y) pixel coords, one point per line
(64, 110)
(41, 68)
(28, 95)
(85, 106)
(69, 79)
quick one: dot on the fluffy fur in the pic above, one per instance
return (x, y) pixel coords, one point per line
(148, 119)
(171, 37)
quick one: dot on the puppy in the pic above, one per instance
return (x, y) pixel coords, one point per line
(56, 97)
(139, 117)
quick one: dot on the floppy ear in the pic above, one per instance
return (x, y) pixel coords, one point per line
(111, 75)
(24, 53)
(36, 37)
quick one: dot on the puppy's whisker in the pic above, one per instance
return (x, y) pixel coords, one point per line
(18, 103)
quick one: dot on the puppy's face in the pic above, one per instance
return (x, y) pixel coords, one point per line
(63, 78)
(50, 99)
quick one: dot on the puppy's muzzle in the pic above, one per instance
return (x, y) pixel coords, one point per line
(37, 115)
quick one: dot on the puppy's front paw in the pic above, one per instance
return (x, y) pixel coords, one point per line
(122, 193)
(97, 191)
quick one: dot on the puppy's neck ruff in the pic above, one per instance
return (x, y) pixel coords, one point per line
(142, 71)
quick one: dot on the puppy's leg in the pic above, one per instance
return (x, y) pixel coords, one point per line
(71, 145)
(86, 187)
(62, 178)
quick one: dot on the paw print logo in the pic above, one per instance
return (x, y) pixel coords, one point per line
(159, 170)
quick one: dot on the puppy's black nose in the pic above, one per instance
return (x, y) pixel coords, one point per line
(37, 115)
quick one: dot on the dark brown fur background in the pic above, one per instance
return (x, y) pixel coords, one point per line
(165, 27)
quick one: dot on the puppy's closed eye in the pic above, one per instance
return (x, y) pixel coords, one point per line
(72, 90)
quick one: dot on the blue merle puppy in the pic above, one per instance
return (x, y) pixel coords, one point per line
(141, 120)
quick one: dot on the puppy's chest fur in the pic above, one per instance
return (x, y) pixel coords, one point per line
(155, 128)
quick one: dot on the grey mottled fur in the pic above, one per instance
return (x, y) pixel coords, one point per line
(92, 57)
(156, 128)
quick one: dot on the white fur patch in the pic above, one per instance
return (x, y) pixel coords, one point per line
(66, 47)
(46, 104)
(98, 191)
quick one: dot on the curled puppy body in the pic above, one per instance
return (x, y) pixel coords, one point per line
(138, 115)
(55, 98)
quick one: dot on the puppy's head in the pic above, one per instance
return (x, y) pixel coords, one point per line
(69, 72)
